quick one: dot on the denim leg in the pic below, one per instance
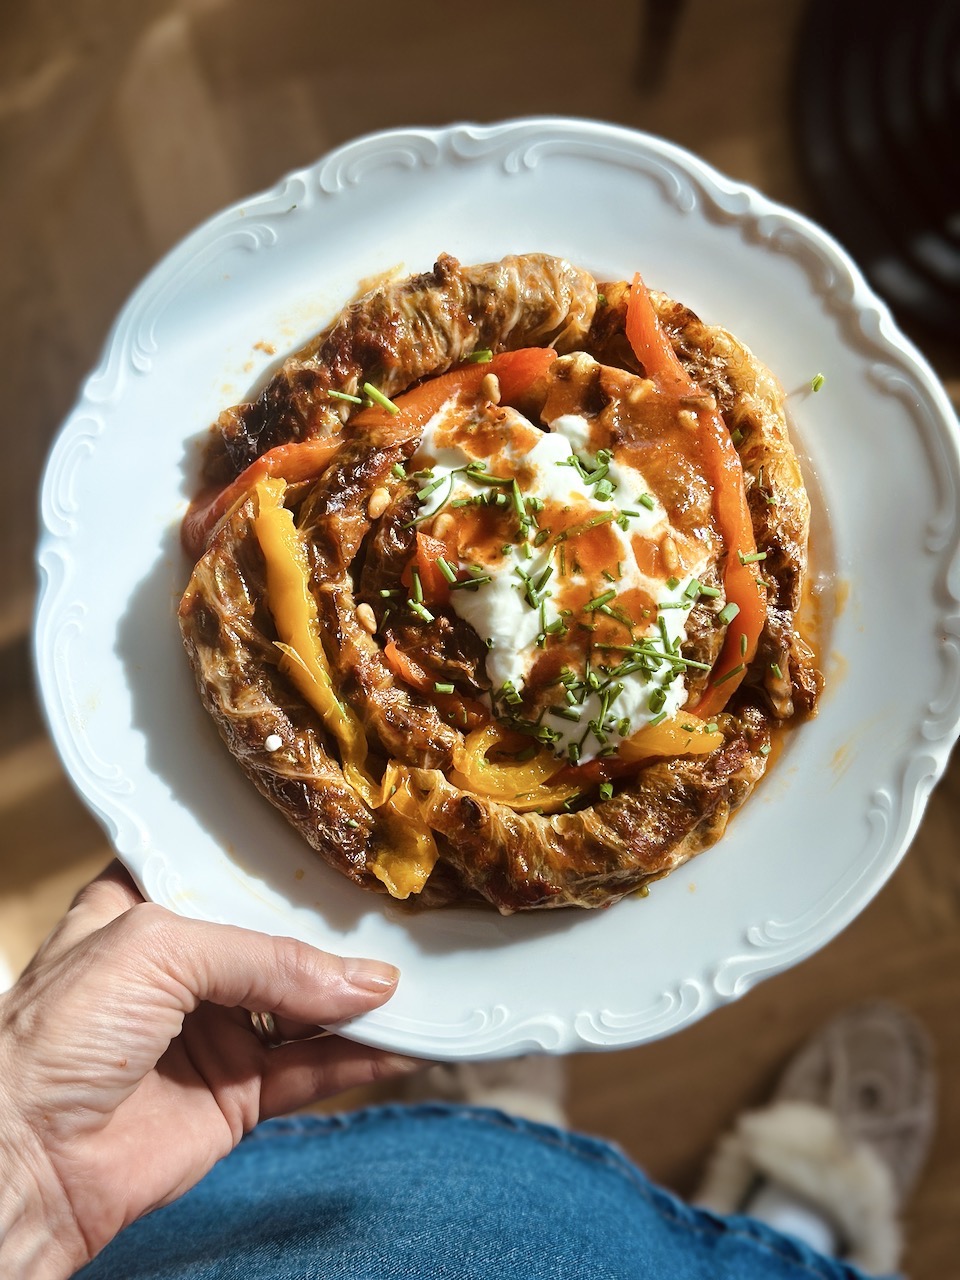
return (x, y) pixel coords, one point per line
(436, 1192)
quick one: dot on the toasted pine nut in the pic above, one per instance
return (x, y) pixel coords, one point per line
(490, 386)
(367, 618)
(443, 524)
(688, 419)
(671, 557)
(379, 501)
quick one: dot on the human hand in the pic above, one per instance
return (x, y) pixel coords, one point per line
(129, 1065)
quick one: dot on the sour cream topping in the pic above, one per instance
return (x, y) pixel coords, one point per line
(579, 595)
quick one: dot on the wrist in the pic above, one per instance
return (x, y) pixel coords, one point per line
(39, 1236)
(36, 1242)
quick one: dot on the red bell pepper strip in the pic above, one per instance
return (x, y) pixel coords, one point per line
(516, 371)
(742, 584)
(436, 588)
(291, 462)
(459, 710)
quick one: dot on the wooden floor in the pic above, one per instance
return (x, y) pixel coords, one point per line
(120, 127)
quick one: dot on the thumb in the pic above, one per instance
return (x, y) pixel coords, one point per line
(195, 961)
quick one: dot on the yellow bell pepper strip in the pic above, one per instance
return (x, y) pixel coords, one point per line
(685, 735)
(405, 868)
(742, 584)
(294, 613)
(523, 785)
(292, 462)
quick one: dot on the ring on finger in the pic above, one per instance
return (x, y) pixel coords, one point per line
(265, 1029)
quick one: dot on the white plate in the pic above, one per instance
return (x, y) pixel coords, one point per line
(824, 831)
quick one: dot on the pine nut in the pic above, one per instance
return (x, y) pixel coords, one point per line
(367, 618)
(490, 386)
(379, 501)
(443, 525)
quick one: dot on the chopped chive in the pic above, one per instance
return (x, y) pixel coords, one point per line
(658, 719)
(673, 583)
(344, 395)
(710, 728)
(352, 822)
(734, 671)
(606, 790)
(817, 382)
(710, 592)
(603, 490)
(541, 538)
(692, 589)
(647, 500)
(398, 471)
(775, 668)
(765, 749)
(506, 548)
(432, 487)
(743, 645)
(417, 587)
(441, 687)
(609, 576)
(482, 355)
(420, 610)
(477, 580)
(566, 713)
(576, 529)
(597, 601)
(657, 699)
(736, 436)
(386, 594)
(754, 558)
(517, 497)
(379, 398)
(674, 604)
(573, 751)
(446, 569)
(728, 612)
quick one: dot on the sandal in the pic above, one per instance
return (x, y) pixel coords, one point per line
(847, 1132)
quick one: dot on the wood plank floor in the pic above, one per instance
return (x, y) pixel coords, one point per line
(120, 127)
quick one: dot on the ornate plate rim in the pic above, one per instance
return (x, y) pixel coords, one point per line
(518, 146)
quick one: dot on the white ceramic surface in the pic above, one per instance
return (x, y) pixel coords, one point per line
(827, 827)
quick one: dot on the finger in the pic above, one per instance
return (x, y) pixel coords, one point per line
(297, 1074)
(233, 967)
(107, 896)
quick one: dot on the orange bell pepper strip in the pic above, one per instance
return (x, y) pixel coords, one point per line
(290, 462)
(457, 709)
(742, 585)
(516, 372)
(436, 588)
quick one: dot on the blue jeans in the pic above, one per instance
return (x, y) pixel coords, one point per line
(431, 1191)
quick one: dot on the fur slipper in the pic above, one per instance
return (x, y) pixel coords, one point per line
(847, 1133)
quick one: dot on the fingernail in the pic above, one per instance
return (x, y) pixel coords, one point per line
(371, 975)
